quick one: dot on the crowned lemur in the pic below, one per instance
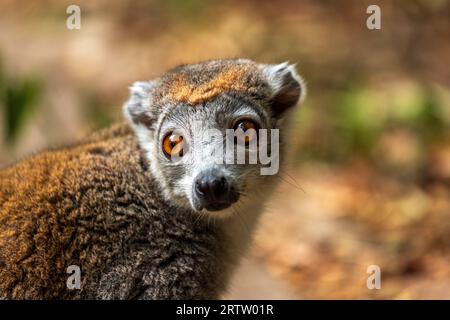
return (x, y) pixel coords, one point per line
(144, 208)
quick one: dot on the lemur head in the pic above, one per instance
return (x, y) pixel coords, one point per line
(195, 122)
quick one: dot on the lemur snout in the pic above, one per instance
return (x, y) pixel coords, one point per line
(213, 192)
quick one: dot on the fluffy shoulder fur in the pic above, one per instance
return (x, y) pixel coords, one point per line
(94, 205)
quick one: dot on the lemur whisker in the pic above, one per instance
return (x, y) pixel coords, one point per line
(293, 179)
(242, 220)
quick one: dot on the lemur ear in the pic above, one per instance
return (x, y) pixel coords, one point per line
(288, 88)
(137, 108)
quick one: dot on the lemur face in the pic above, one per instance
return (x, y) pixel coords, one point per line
(206, 127)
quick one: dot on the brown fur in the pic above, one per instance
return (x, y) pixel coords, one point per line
(196, 84)
(95, 206)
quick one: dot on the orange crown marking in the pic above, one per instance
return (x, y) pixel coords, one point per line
(230, 79)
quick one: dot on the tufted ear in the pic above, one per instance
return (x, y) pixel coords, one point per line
(137, 108)
(288, 88)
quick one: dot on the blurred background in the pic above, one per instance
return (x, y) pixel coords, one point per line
(369, 183)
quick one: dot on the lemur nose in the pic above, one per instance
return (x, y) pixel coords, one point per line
(213, 192)
(211, 188)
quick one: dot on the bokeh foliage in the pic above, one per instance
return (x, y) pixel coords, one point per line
(18, 99)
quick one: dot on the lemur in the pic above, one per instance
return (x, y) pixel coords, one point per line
(137, 223)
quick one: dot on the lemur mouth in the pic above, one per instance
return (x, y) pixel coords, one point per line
(215, 205)
(218, 206)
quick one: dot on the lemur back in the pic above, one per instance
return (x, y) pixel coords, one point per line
(95, 205)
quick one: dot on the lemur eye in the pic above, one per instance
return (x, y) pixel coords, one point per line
(173, 145)
(249, 129)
